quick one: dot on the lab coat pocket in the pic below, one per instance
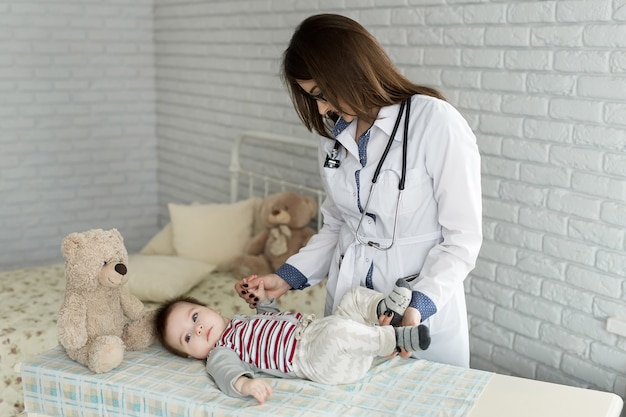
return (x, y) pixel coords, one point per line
(384, 195)
(417, 188)
(330, 179)
(329, 173)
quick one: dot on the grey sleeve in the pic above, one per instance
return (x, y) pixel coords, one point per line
(225, 367)
(268, 306)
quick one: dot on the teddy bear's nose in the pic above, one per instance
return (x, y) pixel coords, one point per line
(121, 269)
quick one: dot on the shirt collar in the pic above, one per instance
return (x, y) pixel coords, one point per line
(340, 126)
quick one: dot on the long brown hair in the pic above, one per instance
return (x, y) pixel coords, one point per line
(348, 64)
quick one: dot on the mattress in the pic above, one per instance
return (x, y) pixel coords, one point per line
(156, 383)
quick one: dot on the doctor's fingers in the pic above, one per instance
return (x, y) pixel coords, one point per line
(404, 354)
(241, 290)
(248, 296)
(254, 296)
(411, 317)
(246, 284)
(385, 320)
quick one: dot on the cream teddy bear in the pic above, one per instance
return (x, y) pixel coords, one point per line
(99, 318)
(285, 219)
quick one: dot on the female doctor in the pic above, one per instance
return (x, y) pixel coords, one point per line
(401, 170)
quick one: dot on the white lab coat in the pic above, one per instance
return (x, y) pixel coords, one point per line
(439, 230)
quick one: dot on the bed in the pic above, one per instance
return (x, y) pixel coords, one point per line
(39, 378)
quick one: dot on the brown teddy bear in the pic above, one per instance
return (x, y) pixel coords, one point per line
(99, 318)
(284, 219)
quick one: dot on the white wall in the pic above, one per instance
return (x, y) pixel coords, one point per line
(77, 136)
(543, 85)
(541, 82)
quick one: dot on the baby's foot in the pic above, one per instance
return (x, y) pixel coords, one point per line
(396, 302)
(413, 338)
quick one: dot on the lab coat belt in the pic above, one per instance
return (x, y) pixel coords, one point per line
(410, 240)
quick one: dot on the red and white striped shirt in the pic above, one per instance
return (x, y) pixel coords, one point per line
(266, 340)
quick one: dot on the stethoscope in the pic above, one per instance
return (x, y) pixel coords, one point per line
(333, 162)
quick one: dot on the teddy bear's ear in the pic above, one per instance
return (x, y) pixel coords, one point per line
(71, 243)
(311, 204)
(117, 234)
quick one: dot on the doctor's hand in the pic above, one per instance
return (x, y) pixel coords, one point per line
(273, 286)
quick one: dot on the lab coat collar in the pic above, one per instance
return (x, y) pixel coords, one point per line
(387, 118)
(345, 136)
(385, 121)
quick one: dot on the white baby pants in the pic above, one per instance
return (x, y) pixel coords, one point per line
(339, 349)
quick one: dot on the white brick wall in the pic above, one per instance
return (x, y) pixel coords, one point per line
(543, 85)
(217, 75)
(541, 82)
(77, 137)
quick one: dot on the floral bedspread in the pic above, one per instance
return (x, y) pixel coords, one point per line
(30, 299)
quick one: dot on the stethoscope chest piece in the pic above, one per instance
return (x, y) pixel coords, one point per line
(331, 160)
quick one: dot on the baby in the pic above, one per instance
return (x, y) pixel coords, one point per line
(337, 349)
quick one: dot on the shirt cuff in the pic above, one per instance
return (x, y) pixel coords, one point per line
(293, 277)
(423, 304)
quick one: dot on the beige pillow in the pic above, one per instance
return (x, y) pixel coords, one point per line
(158, 277)
(161, 243)
(212, 233)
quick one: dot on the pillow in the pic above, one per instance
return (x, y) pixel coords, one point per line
(212, 233)
(161, 243)
(158, 278)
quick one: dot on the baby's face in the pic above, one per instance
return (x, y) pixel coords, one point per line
(193, 329)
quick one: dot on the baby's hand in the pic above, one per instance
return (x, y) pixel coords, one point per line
(258, 388)
(260, 292)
